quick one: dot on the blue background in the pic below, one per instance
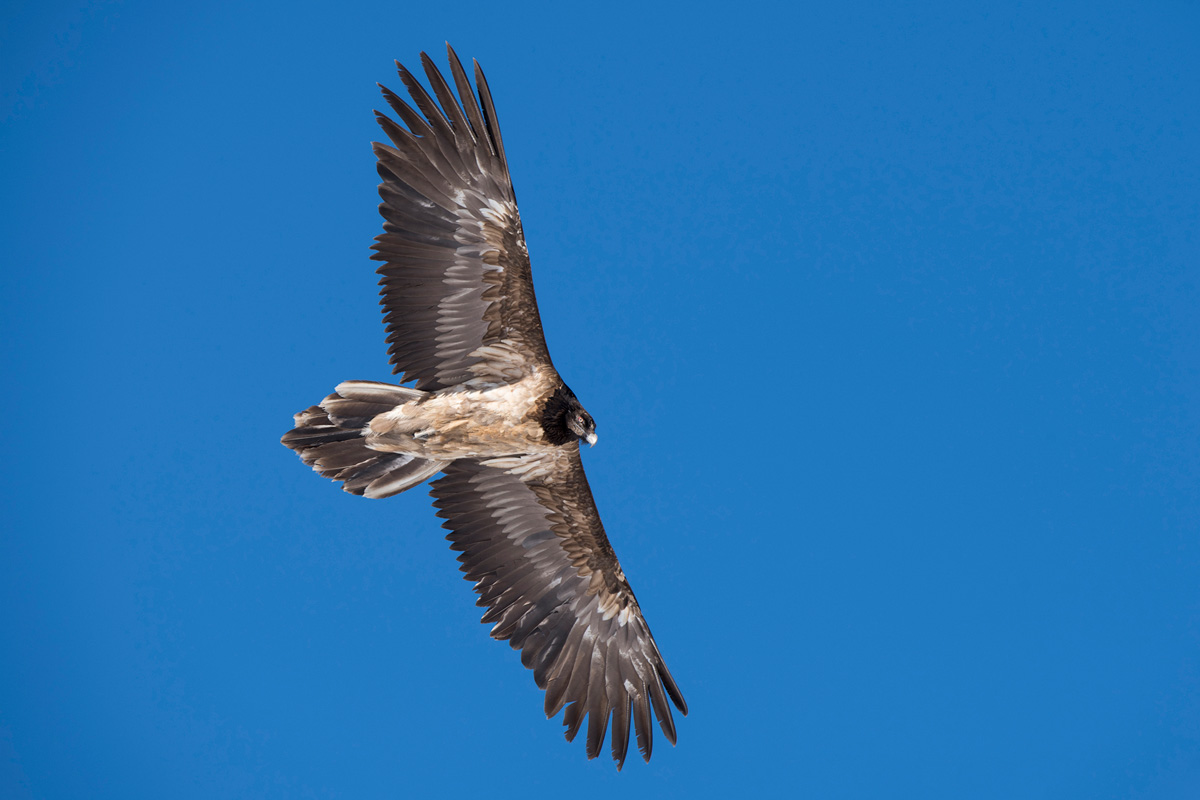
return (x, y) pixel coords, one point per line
(889, 319)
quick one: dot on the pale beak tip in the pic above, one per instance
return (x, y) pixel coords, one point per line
(591, 439)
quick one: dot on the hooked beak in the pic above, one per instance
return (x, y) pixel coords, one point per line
(591, 439)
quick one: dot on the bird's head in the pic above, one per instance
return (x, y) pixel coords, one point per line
(564, 420)
(580, 423)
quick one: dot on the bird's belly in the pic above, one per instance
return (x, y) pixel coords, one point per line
(470, 439)
(451, 425)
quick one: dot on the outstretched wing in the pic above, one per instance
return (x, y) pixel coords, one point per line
(532, 541)
(457, 293)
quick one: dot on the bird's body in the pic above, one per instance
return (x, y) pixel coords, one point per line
(489, 411)
(474, 423)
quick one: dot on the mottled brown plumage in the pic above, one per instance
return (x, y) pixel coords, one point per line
(489, 411)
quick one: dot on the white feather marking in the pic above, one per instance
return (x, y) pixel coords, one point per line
(498, 212)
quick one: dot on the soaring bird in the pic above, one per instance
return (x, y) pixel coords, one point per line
(487, 409)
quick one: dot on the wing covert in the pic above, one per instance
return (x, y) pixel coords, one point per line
(531, 539)
(456, 288)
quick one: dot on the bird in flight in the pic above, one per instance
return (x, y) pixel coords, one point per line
(487, 409)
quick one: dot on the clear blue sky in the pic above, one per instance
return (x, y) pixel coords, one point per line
(889, 319)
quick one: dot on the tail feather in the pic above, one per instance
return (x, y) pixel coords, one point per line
(354, 403)
(392, 475)
(329, 438)
(348, 454)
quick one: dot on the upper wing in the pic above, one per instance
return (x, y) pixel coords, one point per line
(532, 540)
(457, 293)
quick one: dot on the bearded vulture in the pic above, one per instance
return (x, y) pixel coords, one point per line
(487, 409)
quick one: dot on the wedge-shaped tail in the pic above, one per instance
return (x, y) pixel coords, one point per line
(329, 438)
